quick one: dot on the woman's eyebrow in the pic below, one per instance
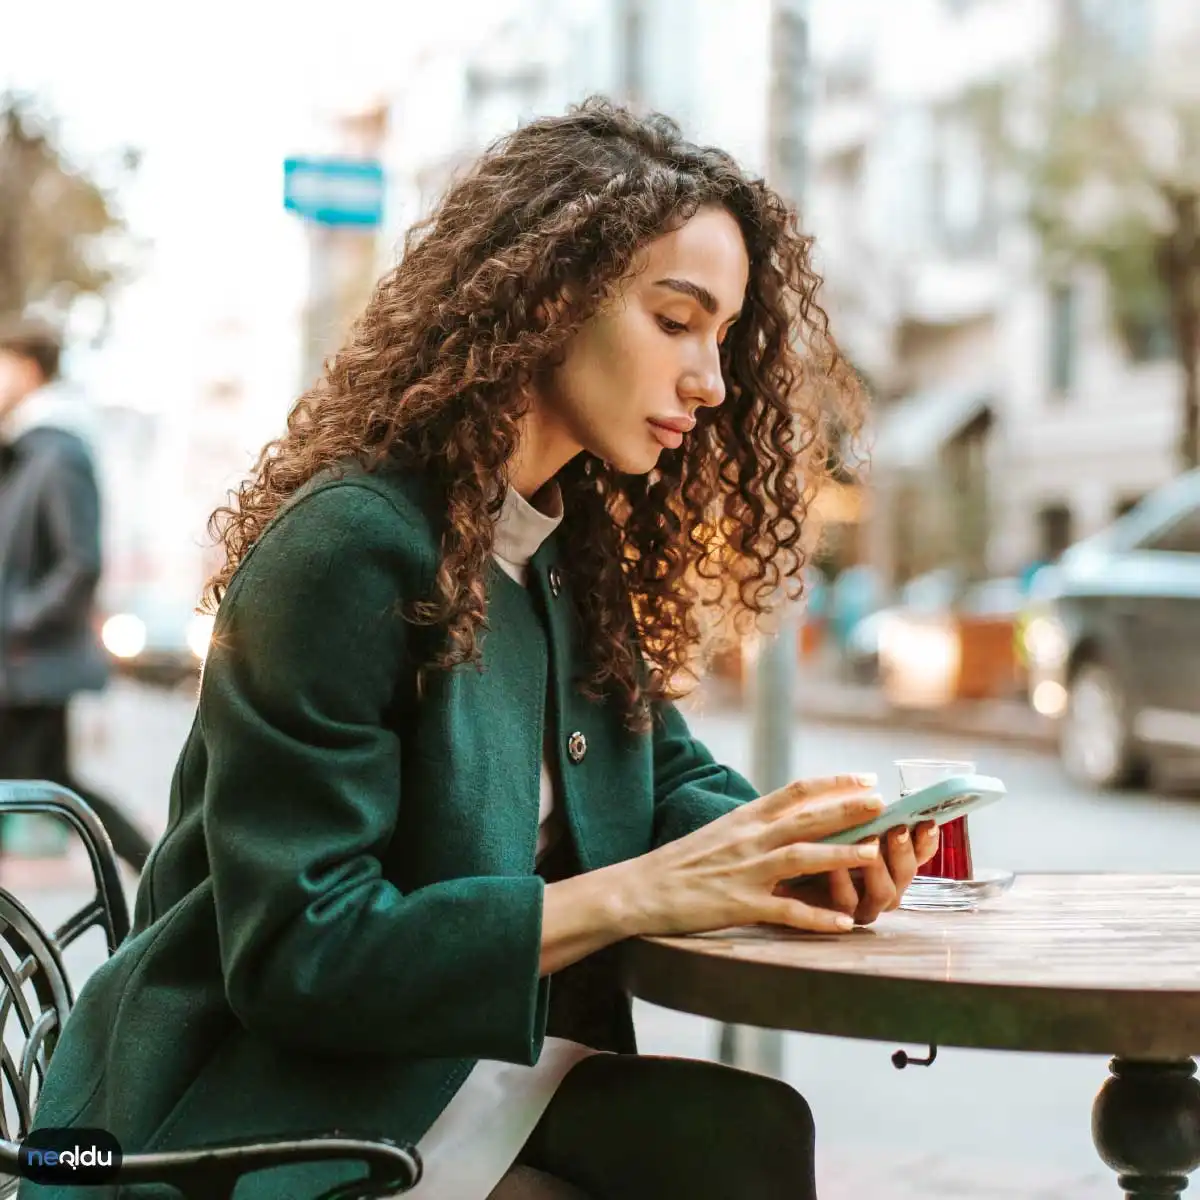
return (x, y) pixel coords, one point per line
(701, 295)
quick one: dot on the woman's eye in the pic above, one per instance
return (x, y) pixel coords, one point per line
(672, 326)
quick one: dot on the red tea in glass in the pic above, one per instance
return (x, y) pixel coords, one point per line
(952, 860)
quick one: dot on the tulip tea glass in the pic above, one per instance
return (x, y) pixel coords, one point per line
(949, 880)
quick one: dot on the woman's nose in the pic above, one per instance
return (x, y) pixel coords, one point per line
(704, 386)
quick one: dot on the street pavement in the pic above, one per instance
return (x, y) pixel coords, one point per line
(974, 1126)
(823, 696)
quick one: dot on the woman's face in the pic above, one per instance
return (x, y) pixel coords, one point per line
(636, 372)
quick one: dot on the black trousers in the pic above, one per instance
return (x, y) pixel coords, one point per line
(33, 745)
(639, 1127)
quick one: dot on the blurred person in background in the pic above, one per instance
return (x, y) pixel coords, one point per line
(390, 897)
(50, 562)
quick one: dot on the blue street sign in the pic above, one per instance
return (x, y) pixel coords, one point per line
(334, 191)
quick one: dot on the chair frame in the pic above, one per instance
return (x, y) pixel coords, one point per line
(208, 1172)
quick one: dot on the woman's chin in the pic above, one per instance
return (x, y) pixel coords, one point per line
(630, 460)
(640, 464)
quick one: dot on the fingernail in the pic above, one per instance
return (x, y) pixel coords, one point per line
(901, 836)
(868, 780)
(844, 922)
(869, 850)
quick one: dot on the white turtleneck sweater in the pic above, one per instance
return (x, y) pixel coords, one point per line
(480, 1132)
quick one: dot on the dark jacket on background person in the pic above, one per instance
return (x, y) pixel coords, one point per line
(344, 913)
(49, 568)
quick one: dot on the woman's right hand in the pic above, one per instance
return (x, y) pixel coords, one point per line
(726, 872)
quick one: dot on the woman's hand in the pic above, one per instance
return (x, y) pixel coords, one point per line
(728, 872)
(877, 888)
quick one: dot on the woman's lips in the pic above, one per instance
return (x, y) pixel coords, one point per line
(672, 439)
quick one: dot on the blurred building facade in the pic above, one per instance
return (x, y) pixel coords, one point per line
(1011, 418)
(701, 61)
(1013, 395)
(452, 104)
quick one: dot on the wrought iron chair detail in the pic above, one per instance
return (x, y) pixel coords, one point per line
(36, 999)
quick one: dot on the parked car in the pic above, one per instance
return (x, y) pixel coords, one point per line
(155, 634)
(881, 633)
(1113, 648)
(942, 640)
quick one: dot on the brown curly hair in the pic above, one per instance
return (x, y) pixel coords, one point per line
(518, 254)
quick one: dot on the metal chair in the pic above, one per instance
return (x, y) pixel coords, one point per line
(34, 986)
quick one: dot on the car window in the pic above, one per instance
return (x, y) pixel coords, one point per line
(1182, 536)
(1149, 519)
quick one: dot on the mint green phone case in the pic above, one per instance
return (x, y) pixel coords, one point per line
(940, 802)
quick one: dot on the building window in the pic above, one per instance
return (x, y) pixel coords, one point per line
(1062, 338)
(1124, 29)
(1148, 336)
(1054, 531)
(962, 208)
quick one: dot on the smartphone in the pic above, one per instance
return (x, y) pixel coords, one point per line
(939, 802)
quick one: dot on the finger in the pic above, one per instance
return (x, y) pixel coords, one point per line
(901, 861)
(878, 891)
(834, 890)
(843, 895)
(803, 791)
(820, 818)
(795, 914)
(810, 858)
(925, 842)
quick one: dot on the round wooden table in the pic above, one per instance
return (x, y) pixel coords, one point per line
(1074, 964)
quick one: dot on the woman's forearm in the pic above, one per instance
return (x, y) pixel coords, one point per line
(587, 912)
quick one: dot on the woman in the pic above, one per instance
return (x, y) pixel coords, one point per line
(435, 774)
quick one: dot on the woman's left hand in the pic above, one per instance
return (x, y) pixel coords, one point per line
(867, 891)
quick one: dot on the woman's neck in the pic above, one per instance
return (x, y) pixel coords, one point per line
(543, 449)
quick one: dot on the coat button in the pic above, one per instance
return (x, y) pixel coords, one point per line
(577, 746)
(555, 581)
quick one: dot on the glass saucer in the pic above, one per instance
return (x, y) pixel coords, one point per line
(927, 892)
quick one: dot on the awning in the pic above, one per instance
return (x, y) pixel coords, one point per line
(913, 431)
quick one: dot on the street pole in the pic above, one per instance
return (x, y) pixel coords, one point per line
(341, 258)
(320, 319)
(631, 42)
(773, 673)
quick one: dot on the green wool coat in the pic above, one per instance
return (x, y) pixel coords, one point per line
(343, 915)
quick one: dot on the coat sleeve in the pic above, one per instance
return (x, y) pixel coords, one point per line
(302, 796)
(690, 787)
(70, 510)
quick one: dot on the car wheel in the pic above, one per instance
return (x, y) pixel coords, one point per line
(1096, 744)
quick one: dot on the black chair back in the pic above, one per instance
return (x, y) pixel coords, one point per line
(36, 997)
(35, 991)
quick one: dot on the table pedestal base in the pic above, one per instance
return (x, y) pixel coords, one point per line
(1146, 1126)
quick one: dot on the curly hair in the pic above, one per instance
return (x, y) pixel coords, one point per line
(435, 375)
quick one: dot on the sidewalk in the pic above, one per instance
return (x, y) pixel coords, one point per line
(828, 700)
